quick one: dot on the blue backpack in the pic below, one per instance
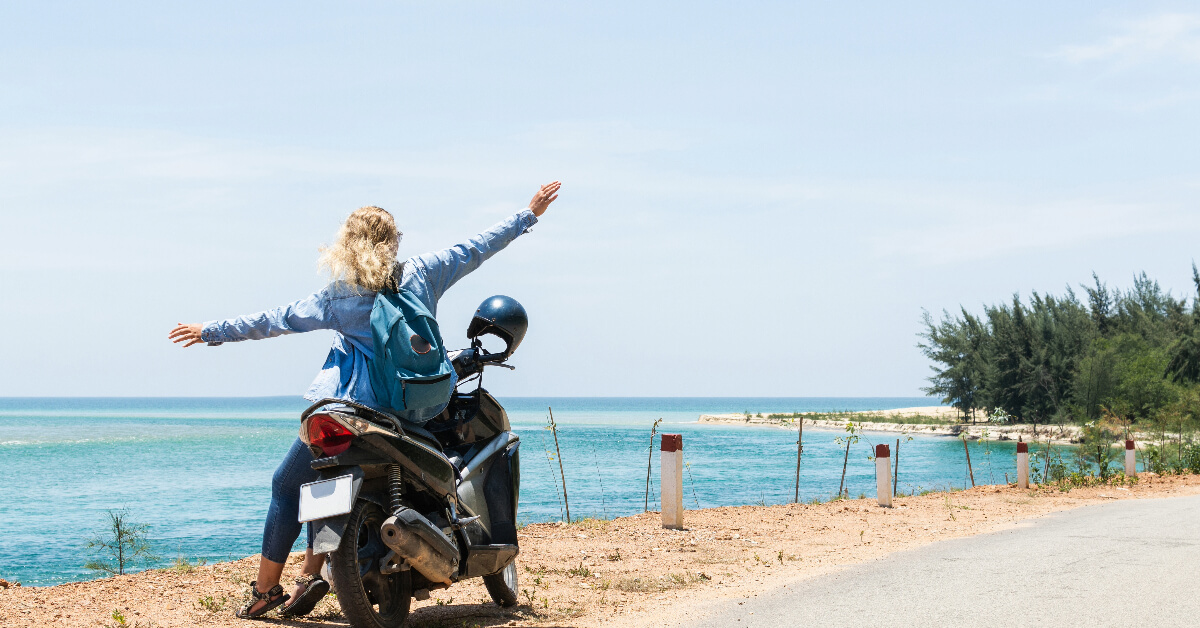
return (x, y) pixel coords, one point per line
(409, 370)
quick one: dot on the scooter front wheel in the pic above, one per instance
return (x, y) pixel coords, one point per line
(502, 586)
(368, 597)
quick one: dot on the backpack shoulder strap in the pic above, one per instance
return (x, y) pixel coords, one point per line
(393, 284)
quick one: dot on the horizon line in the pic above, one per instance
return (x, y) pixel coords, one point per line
(501, 396)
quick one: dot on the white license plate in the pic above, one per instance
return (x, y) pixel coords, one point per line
(327, 498)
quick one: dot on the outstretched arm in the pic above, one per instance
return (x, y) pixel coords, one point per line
(444, 268)
(304, 315)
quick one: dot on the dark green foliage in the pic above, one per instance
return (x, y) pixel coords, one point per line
(1171, 458)
(1184, 365)
(1124, 374)
(957, 343)
(1057, 359)
(1191, 458)
(1046, 465)
(1096, 451)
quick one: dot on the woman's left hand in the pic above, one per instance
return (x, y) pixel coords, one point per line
(184, 332)
(546, 195)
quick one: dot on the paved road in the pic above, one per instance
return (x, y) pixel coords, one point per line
(1127, 563)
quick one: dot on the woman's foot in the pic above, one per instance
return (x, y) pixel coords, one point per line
(310, 588)
(302, 584)
(261, 601)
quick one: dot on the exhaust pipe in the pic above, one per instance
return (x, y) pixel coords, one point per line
(426, 549)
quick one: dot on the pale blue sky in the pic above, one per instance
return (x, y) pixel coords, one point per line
(757, 200)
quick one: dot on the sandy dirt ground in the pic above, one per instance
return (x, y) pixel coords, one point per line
(878, 421)
(623, 572)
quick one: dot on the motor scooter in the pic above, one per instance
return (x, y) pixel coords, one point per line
(401, 510)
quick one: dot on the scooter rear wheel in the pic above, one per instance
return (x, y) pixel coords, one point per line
(502, 586)
(368, 597)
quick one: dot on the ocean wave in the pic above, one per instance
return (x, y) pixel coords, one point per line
(119, 440)
(74, 441)
(75, 414)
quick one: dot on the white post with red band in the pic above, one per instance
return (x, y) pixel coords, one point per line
(671, 481)
(883, 475)
(1022, 465)
(1130, 460)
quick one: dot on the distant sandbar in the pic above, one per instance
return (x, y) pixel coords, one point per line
(933, 420)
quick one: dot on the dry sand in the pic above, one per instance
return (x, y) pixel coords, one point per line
(622, 572)
(877, 421)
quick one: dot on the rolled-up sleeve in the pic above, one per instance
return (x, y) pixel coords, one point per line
(444, 268)
(307, 314)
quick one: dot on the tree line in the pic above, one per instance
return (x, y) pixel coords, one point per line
(1131, 355)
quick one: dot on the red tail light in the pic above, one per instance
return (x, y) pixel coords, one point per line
(332, 437)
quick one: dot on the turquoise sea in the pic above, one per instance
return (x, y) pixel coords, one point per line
(198, 470)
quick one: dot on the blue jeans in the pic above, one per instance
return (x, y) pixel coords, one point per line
(282, 528)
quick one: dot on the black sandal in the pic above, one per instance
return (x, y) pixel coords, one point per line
(315, 588)
(256, 597)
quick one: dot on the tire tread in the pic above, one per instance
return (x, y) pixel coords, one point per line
(351, 595)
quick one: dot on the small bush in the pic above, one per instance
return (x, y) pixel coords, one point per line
(1172, 459)
(212, 605)
(122, 543)
(183, 565)
(582, 571)
(119, 621)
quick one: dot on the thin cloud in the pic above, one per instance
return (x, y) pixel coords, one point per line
(1173, 36)
(122, 176)
(996, 228)
(608, 137)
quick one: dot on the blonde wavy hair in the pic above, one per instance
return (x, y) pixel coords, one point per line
(364, 251)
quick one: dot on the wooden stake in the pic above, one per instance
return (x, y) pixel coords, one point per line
(554, 430)
(799, 450)
(1046, 452)
(964, 440)
(844, 461)
(896, 475)
(649, 459)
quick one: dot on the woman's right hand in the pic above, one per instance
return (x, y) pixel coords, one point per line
(541, 201)
(184, 332)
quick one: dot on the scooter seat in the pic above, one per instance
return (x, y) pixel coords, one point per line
(423, 434)
(426, 437)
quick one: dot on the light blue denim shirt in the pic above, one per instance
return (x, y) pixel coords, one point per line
(347, 311)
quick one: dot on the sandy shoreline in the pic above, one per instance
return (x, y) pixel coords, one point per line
(877, 421)
(611, 573)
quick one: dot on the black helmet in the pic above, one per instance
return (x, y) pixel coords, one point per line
(503, 317)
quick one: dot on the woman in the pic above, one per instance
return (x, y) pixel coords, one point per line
(362, 261)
